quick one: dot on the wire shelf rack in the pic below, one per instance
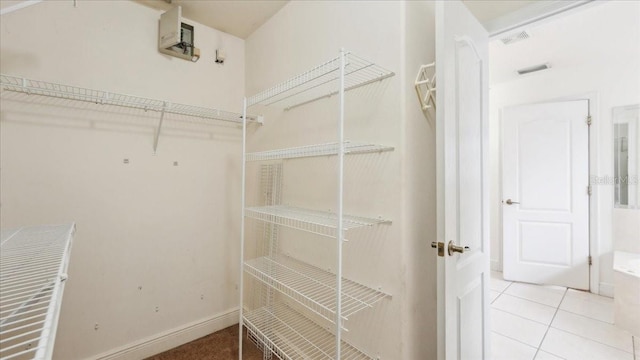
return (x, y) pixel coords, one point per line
(313, 221)
(316, 150)
(291, 336)
(311, 286)
(321, 81)
(33, 265)
(68, 92)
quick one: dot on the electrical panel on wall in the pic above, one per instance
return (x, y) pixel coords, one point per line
(175, 37)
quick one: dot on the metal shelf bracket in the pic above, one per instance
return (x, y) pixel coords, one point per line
(157, 134)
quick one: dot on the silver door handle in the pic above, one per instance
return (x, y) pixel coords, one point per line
(511, 202)
(455, 248)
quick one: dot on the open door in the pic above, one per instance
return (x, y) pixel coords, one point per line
(545, 185)
(462, 177)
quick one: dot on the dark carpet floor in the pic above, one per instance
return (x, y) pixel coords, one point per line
(221, 345)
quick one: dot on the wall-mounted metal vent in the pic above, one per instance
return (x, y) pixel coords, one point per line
(534, 68)
(515, 37)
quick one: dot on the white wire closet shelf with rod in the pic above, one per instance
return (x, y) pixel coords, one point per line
(323, 299)
(101, 97)
(33, 269)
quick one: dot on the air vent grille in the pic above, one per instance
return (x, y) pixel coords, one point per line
(513, 38)
(534, 68)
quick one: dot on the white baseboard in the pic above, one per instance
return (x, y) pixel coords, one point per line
(164, 341)
(606, 289)
(495, 265)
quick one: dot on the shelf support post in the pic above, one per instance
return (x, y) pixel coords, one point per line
(157, 134)
(340, 229)
(241, 285)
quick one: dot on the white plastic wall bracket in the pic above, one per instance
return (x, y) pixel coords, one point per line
(426, 86)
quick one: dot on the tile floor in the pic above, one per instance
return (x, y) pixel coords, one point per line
(552, 322)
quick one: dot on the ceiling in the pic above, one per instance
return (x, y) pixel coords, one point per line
(236, 17)
(487, 10)
(243, 17)
(593, 35)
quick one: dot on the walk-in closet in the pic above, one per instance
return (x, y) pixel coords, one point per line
(273, 178)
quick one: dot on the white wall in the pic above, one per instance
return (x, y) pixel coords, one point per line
(626, 230)
(610, 70)
(150, 234)
(399, 185)
(419, 190)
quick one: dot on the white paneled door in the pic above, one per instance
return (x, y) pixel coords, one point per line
(545, 193)
(462, 173)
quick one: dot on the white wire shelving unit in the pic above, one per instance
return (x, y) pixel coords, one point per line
(74, 93)
(276, 327)
(33, 269)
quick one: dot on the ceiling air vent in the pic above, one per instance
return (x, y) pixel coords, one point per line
(534, 68)
(515, 37)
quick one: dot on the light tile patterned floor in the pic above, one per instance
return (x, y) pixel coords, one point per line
(552, 322)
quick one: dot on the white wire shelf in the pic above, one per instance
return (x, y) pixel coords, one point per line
(317, 150)
(321, 81)
(33, 265)
(292, 336)
(311, 286)
(68, 92)
(313, 221)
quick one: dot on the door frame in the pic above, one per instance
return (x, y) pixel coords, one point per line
(534, 13)
(594, 199)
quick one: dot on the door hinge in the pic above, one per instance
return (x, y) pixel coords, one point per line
(589, 120)
(590, 260)
(589, 190)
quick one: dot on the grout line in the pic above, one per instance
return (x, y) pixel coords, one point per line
(533, 302)
(520, 316)
(508, 286)
(591, 340)
(550, 353)
(516, 340)
(503, 290)
(537, 302)
(499, 294)
(633, 347)
(588, 317)
(551, 322)
(494, 300)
